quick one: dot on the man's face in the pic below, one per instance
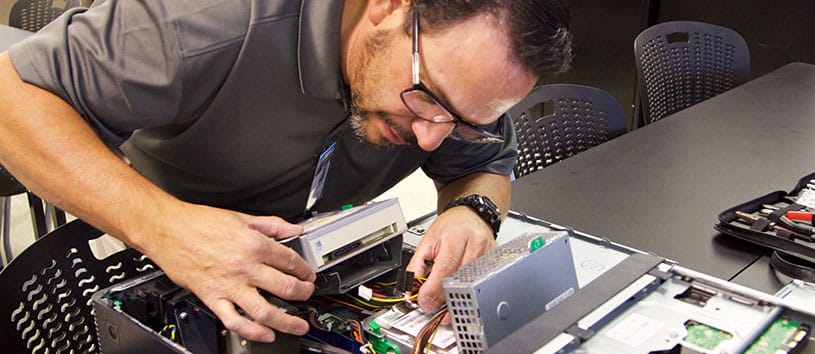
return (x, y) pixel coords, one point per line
(467, 67)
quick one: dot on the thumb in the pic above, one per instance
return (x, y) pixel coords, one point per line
(419, 262)
(275, 227)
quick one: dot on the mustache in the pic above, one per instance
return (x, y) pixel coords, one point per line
(359, 117)
(405, 134)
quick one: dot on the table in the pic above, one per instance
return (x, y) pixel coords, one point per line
(661, 187)
(760, 276)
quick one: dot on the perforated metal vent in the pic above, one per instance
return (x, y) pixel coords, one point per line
(498, 258)
(466, 321)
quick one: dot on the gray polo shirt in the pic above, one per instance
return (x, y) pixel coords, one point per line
(229, 102)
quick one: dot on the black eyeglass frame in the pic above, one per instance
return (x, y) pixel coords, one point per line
(480, 136)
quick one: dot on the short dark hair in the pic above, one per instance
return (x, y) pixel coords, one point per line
(538, 30)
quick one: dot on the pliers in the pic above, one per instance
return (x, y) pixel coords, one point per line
(799, 215)
(784, 224)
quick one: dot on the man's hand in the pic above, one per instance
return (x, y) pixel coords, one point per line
(224, 257)
(455, 238)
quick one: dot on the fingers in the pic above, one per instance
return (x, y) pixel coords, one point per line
(281, 257)
(233, 321)
(224, 257)
(282, 285)
(275, 227)
(449, 258)
(261, 320)
(446, 319)
(417, 264)
(453, 240)
(288, 261)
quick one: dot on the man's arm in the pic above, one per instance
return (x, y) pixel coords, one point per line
(221, 256)
(458, 235)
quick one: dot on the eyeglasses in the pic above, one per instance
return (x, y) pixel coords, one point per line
(425, 105)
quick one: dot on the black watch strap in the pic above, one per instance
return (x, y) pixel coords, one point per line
(484, 207)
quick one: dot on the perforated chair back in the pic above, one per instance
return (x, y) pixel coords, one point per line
(44, 216)
(581, 117)
(681, 63)
(8, 184)
(46, 301)
(32, 15)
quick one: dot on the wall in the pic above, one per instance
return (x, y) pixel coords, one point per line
(777, 32)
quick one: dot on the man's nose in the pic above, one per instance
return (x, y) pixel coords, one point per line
(430, 135)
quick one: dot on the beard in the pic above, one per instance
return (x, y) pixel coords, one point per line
(365, 91)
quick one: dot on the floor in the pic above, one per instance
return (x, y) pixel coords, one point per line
(22, 231)
(416, 195)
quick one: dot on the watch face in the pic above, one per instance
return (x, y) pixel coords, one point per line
(488, 202)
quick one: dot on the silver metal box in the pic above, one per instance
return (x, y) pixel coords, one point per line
(496, 294)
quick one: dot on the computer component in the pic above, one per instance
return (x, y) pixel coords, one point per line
(647, 305)
(635, 302)
(592, 255)
(798, 293)
(396, 329)
(349, 247)
(496, 294)
(346, 248)
(150, 314)
(629, 302)
(332, 237)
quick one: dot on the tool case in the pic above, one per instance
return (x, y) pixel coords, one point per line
(781, 221)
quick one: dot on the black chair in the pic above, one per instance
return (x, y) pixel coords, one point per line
(47, 289)
(44, 216)
(681, 63)
(31, 15)
(580, 117)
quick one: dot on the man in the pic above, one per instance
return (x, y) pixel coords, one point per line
(225, 109)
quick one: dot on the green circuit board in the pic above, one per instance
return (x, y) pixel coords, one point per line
(782, 335)
(705, 336)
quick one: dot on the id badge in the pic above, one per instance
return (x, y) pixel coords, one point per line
(318, 182)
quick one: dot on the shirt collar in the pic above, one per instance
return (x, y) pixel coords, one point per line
(318, 49)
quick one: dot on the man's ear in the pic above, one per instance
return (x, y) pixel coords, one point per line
(378, 10)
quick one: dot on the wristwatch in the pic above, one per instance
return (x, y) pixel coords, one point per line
(485, 208)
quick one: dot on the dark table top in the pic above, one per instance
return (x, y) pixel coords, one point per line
(661, 187)
(760, 276)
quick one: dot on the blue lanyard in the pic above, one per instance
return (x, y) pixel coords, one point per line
(318, 182)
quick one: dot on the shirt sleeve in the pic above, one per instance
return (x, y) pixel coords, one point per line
(455, 159)
(126, 65)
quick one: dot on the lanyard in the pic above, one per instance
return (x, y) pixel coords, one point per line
(318, 182)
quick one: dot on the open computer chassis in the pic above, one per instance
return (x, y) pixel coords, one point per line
(628, 302)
